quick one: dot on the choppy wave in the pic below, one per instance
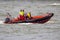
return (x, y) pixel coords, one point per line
(23, 31)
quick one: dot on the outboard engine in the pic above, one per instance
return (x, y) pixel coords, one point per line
(7, 20)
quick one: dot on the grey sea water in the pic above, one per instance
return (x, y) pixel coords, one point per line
(47, 31)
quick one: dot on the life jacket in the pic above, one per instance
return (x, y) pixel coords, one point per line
(29, 15)
(21, 13)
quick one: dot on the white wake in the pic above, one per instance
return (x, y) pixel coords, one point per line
(55, 4)
(1, 22)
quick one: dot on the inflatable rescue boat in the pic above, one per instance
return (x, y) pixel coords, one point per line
(35, 19)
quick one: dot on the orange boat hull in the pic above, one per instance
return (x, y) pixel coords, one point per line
(35, 19)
